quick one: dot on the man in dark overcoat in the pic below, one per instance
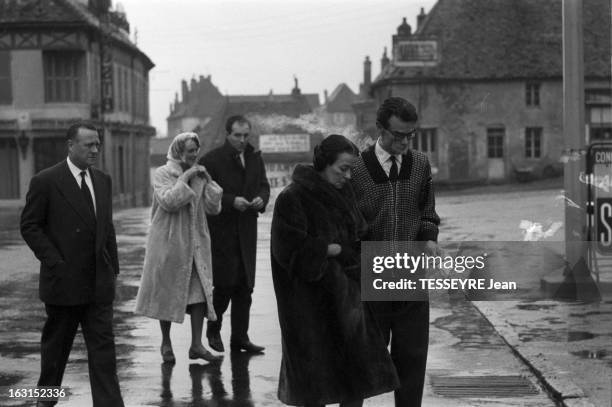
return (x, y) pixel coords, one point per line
(240, 171)
(67, 221)
(394, 190)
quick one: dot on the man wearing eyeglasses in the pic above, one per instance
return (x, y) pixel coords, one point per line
(240, 171)
(394, 190)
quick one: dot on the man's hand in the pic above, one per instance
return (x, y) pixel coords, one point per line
(241, 204)
(257, 203)
(333, 249)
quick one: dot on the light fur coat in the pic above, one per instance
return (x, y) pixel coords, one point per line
(178, 237)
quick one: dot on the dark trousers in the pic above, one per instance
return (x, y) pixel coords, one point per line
(96, 322)
(240, 296)
(406, 324)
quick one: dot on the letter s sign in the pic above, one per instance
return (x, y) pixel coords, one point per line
(604, 224)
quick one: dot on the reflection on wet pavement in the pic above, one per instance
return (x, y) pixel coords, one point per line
(466, 324)
(207, 384)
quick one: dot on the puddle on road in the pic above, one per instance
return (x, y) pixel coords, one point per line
(592, 354)
(573, 336)
(536, 307)
(469, 326)
(555, 335)
(9, 379)
(589, 313)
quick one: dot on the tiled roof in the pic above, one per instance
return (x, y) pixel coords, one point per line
(57, 13)
(311, 98)
(493, 39)
(341, 99)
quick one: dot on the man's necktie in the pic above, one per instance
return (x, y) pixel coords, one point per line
(393, 172)
(86, 193)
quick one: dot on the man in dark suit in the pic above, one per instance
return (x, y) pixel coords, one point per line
(67, 222)
(240, 171)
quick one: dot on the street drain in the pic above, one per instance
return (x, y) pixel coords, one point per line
(482, 386)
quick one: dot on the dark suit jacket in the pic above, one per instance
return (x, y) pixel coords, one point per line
(77, 253)
(233, 232)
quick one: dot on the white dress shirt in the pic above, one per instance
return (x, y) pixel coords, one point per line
(76, 173)
(384, 158)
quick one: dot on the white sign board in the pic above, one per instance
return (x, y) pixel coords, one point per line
(284, 143)
(415, 53)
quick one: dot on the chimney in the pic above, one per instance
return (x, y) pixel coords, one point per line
(325, 95)
(184, 90)
(98, 6)
(384, 61)
(367, 73)
(421, 18)
(404, 29)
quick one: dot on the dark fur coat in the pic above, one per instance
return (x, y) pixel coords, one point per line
(332, 348)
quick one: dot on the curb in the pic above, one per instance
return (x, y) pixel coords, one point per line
(560, 388)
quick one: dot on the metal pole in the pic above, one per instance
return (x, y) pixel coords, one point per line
(573, 129)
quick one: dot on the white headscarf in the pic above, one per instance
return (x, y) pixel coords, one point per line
(177, 147)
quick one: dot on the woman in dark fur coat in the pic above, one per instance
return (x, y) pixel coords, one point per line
(333, 351)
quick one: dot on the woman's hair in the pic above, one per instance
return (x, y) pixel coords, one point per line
(177, 147)
(327, 151)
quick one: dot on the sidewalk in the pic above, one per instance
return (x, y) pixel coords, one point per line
(568, 345)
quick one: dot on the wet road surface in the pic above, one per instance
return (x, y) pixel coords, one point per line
(462, 342)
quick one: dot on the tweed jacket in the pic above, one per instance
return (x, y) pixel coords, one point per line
(402, 211)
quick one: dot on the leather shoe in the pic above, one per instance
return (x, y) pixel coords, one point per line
(167, 354)
(247, 346)
(206, 355)
(215, 342)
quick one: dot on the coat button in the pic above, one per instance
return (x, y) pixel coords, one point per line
(78, 230)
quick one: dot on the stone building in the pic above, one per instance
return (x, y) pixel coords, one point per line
(486, 78)
(337, 109)
(68, 60)
(276, 125)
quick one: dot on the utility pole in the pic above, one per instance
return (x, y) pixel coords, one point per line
(574, 130)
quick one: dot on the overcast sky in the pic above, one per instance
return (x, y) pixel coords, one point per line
(250, 47)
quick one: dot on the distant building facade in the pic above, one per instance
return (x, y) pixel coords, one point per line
(486, 78)
(337, 109)
(63, 61)
(204, 110)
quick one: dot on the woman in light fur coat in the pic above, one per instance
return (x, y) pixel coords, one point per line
(177, 275)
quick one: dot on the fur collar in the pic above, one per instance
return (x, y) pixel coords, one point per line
(321, 190)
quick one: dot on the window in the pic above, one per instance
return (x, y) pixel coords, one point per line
(6, 94)
(425, 141)
(63, 72)
(123, 88)
(495, 142)
(533, 142)
(532, 94)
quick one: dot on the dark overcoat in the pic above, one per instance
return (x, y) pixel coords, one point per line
(234, 233)
(77, 253)
(332, 349)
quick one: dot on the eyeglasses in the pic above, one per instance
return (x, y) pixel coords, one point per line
(400, 135)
